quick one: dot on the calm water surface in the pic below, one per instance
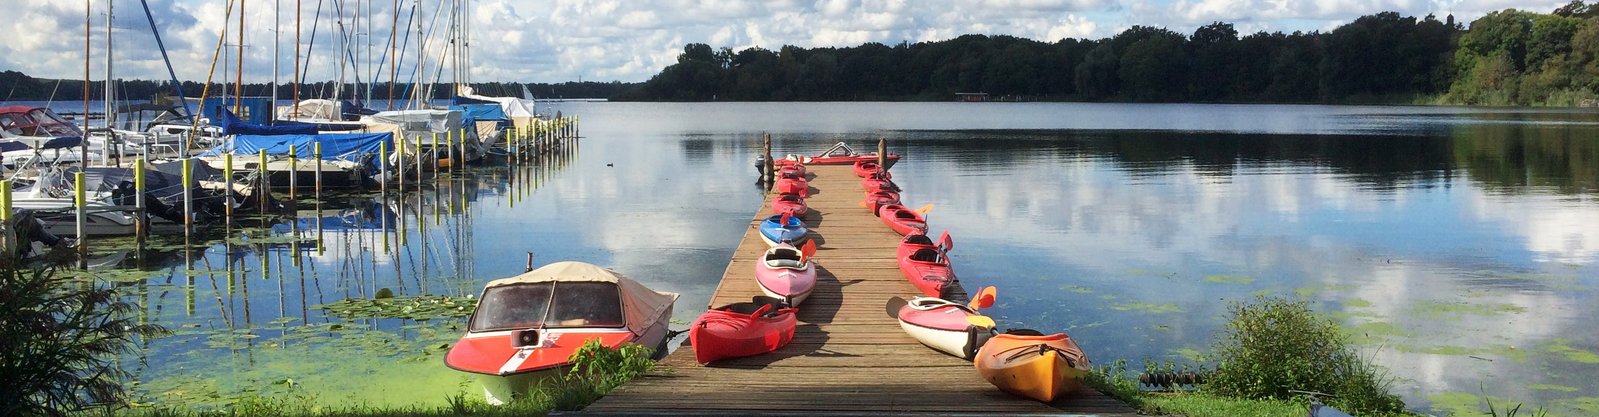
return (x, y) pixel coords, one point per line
(1458, 245)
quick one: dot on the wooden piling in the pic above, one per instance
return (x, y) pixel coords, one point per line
(141, 221)
(227, 177)
(188, 197)
(383, 170)
(882, 153)
(81, 200)
(294, 181)
(265, 179)
(767, 172)
(435, 150)
(9, 242)
(316, 153)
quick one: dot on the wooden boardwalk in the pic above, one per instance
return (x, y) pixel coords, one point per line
(848, 356)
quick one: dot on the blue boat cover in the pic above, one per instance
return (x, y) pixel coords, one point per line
(335, 146)
(480, 112)
(232, 125)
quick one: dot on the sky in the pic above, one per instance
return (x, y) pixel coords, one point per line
(604, 40)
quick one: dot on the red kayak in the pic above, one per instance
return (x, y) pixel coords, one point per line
(902, 220)
(877, 199)
(876, 182)
(865, 168)
(914, 242)
(742, 329)
(928, 270)
(791, 171)
(796, 186)
(791, 204)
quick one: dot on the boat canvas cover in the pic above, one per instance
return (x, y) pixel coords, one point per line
(163, 185)
(513, 107)
(335, 146)
(312, 109)
(232, 125)
(471, 113)
(418, 121)
(641, 306)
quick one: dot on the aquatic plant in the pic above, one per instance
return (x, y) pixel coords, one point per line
(59, 339)
(1273, 345)
(596, 370)
(421, 307)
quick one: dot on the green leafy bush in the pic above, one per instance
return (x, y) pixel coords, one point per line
(1274, 345)
(596, 370)
(59, 339)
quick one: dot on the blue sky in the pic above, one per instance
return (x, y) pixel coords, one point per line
(604, 40)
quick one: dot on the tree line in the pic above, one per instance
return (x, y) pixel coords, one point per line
(1509, 57)
(16, 86)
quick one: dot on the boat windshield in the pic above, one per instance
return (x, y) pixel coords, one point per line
(569, 304)
(49, 124)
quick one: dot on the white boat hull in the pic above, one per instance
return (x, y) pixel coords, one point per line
(947, 341)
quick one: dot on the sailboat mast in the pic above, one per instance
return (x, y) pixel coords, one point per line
(88, 28)
(296, 81)
(238, 82)
(394, 57)
(110, 91)
(277, 32)
(416, 88)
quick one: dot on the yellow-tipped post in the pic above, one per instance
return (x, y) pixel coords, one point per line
(383, 167)
(227, 176)
(140, 224)
(316, 153)
(81, 199)
(294, 177)
(265, 178)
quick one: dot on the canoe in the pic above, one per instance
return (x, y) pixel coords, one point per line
(786, 273)
(797, 186)
(780, 228)
(902, 220)
(525, 328)
(790, 204)
(877, 199)
(1033, 365)
(913, 242)
(866, 168)
(942, 325)
(928, 270)
(742, 329)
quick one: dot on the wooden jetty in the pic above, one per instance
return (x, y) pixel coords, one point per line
(848, 356)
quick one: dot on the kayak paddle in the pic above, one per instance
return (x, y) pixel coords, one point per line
(984, 298)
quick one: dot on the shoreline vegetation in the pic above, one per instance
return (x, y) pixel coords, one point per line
(1506, 58)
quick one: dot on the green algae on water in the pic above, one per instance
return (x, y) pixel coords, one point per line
(1146, 307)
(1230, 279)
(1563, 348)
(1439, 309)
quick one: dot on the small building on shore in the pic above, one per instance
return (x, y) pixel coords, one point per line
(971, 97)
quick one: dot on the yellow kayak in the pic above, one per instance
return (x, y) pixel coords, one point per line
(1033, 365)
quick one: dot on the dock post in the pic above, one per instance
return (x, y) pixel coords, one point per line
(435, 149)
(399, 161)
(418, 162)
(294, 181)
(81, 198)
(462, 154)
(882, 153)
(141, 220)
(266, 180)
(188, 197)
(316, 153)
(767, 172)
(227, 176)
(383, 170)
(9, 242)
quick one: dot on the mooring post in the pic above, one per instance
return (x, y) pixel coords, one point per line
(227, 176)
(383, 170)
(399, 161)
(316, 153)
(435, 149)
(766, 149)
(81, 198)
(294, 181)
(141, 221)
(266, 180)
(188, 197)
(882, 153)
(529, 262)
(463, 147)
(10, 238)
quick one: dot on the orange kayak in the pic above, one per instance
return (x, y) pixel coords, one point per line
(1026, 363)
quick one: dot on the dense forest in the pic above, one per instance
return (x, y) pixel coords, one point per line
(19, 87)
(1509, 57)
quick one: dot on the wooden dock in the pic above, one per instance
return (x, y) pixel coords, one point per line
(848, 356)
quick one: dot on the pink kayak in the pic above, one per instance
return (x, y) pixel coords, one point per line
(940, 324)
(787, 273)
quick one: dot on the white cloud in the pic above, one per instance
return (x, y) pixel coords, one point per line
(561, 40)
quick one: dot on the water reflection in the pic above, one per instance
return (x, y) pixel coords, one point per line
(1458, 244)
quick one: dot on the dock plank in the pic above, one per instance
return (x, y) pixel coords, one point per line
(848, 356)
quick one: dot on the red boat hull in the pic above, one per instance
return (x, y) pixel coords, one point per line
(866, 168)
(877, 199)
(493, 353)
(902, 220)
(721, 334)
(929, 277)
(916, 241)
(835, 160)
(795, 186)
(791, 204)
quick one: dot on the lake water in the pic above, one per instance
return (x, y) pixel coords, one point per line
(1459, 245)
